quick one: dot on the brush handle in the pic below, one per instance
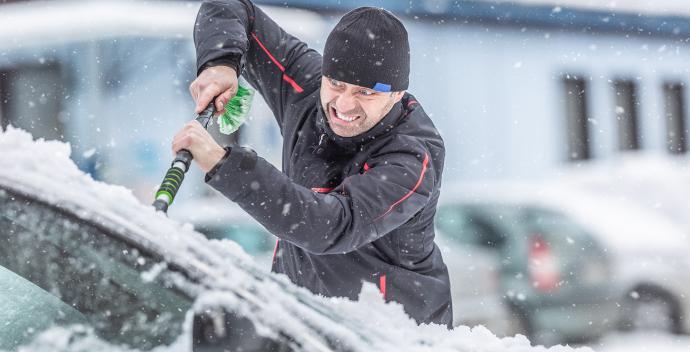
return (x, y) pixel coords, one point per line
(183, 160)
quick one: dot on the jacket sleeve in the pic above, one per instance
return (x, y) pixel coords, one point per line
(279, 66)
(362, 209)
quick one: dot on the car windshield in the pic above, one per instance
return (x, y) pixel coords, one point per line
(59, 270)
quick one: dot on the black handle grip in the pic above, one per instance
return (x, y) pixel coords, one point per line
(183, 159)
(205, 117)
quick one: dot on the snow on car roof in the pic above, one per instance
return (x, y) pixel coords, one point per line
(621, 225)
(43, 169)
(657, 182)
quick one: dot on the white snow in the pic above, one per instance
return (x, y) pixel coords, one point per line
(89, 153)
(229, 278)
(643, 342)
(656, 182)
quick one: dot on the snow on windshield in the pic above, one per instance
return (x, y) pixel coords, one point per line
(227, 273)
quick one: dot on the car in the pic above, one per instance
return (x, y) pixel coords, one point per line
(85, 266)
(77, 252)
(654, 251)
(554, 274)
(649, 252)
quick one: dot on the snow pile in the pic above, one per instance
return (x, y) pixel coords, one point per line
(225, 275)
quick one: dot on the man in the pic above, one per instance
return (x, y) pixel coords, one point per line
(362, 162)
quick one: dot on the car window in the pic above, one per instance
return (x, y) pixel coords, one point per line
(96, 274)
(25, 307)
(468, 226)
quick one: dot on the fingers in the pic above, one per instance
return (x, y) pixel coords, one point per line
(205, 96)
(217, 81)
(194, 90)
(190, 135)
(223, 100)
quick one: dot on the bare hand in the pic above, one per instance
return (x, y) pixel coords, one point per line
(193, 137)
(216, 81)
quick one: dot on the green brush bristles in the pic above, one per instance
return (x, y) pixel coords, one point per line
(236, 111)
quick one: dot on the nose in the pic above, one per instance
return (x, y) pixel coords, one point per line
(345, 103)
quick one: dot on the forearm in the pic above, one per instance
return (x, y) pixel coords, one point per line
(362, 209)
(319, 223)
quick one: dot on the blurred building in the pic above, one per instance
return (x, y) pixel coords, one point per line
(516, 88)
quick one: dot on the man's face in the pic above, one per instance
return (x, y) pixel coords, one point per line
(352, 110)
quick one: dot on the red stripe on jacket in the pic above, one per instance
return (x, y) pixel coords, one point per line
(275, 251)
(286, 78)
(382, 285)
(425, 164)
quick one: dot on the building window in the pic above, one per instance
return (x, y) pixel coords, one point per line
(31, 99)
(576, 114)
(626, 115)
(674, 108)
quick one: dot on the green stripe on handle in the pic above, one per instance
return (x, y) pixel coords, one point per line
(171, 183)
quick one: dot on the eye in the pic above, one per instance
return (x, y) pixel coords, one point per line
(367, 92)
(335, 83)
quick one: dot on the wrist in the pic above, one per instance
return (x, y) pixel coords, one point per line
(218, 158)
(232, 61)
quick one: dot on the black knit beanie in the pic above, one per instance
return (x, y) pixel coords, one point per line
(369, 48)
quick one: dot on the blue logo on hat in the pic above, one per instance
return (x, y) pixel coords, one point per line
(382, 87)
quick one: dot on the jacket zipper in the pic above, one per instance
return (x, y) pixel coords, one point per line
(318, 149)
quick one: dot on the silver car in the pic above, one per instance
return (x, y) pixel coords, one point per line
(554, 276)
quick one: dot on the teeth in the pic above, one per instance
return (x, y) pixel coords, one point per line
(344, 117)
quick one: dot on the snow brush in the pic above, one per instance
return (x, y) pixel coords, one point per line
(236, 111)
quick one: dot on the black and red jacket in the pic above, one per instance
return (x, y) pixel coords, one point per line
(346, 210)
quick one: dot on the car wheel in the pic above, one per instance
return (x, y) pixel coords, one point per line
(652, 310)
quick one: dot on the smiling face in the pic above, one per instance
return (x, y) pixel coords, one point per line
(352, 110)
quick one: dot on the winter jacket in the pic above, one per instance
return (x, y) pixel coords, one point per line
(345, 210)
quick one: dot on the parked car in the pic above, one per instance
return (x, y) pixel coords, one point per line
(220, 219)
(554, 274)
(642, 255)
(649, 254)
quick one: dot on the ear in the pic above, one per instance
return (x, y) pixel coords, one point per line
(397, 96)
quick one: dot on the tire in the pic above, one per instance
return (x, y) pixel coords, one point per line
(652, 309)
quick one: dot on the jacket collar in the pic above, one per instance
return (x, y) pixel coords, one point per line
(353, 143)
